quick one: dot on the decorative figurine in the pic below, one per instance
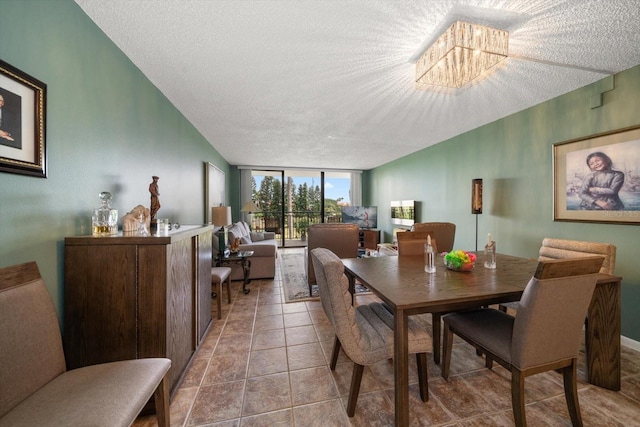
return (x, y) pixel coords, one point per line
(132, 220)
(155, 202)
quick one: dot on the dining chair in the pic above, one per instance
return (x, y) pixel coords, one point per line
(341, 239)
(562, 249)
(544, 336)
(443, 232)
(412, 243)
(364, 332)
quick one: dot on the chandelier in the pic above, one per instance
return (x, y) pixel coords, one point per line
(461, 54)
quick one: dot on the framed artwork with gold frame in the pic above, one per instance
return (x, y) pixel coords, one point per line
(22, 123)
(597, 178)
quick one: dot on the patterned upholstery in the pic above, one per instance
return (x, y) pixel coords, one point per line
(365, 332)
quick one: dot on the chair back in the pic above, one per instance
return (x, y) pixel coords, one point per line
(443, 232)
(356, 338)
(412, 243)
(552, 310)
(561, 249)
(341, 239)
(31, 351)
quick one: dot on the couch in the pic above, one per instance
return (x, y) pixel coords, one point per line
(35, 387)
(263, 244)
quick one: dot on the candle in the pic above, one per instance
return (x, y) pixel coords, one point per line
(429, 239)
(489, 238)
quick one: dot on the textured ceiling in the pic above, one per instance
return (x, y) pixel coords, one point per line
(329, 84)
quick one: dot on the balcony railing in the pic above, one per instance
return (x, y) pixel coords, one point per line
(295, 223)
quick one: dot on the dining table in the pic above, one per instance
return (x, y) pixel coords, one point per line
(403, 284)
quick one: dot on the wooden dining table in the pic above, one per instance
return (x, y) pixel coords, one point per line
(403, 284)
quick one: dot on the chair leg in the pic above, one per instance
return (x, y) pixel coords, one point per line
(447, 346)
(161, 400)
(517, 397)
(571, 393)
(423, 376)
(488, 361)
(356, 378)
(335, 353)
(229, 289)
(219, 299)
(436, 322)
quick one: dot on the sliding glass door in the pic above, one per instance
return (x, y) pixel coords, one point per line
(291, 200)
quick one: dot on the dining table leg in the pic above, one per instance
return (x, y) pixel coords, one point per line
(401, 367)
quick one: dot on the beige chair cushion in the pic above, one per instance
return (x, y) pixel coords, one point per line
(220, 274)
(560, 249)
(109, 395)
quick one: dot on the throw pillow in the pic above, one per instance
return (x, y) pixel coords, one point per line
(245, 240)
(256, 237)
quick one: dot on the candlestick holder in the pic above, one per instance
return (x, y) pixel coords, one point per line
(490, 255)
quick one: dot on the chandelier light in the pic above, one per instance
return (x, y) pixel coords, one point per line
(461, 54)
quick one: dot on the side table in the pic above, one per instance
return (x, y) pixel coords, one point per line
(240, 258)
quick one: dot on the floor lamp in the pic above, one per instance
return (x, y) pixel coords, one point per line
(476, 202)
(250, 207)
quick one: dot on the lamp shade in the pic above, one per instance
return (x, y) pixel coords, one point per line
(250, 206)
(476, 196)
(221, 215)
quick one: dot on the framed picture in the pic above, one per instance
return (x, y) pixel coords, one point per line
(214, 189)
(597, 178)
(22, 123)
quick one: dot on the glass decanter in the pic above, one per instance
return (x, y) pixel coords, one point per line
(104, 221)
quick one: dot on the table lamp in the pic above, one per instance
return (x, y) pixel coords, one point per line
(221, 216)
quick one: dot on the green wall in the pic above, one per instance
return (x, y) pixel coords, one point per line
(513, 156)
(108, 129)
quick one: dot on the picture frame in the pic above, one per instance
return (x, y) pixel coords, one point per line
(214, 192)
(597, 178)
(22, 123)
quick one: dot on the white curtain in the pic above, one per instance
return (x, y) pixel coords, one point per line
(356, 189)
(245, 190)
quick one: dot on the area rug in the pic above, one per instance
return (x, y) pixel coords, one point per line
(294, 276)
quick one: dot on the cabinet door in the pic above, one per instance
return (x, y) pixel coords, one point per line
(203, 283)
(180, 306)
(100, 304)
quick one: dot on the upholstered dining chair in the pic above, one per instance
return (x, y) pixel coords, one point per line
(545, 335)
(443, 232)
(562, 249)
(412, 243)
(364, 332)
(341, 239)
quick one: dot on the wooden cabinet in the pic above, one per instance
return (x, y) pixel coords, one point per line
(369, 239)
(129, 297)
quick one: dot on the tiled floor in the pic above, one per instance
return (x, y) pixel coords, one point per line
(266, 364)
